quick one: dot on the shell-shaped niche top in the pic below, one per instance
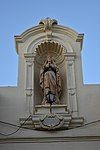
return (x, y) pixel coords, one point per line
(49, 48)
(48, 23)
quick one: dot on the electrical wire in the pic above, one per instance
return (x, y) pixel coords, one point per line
(8, 123)
(89, 123)
(19, 127)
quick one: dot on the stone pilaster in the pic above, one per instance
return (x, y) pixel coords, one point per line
(29, 86)
(71, 84)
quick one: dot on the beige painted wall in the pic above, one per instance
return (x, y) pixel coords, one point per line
(53, 146)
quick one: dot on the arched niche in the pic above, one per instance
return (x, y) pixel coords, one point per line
(57, 52)
(65, 62)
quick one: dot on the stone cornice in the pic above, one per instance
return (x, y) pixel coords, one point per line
(49, 139)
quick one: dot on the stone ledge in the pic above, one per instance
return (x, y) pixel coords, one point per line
(49, 139)
(44, 109)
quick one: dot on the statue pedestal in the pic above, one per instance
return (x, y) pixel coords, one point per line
(58, 118)
(45, 109)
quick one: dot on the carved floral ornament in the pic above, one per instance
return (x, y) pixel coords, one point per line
(48, 23)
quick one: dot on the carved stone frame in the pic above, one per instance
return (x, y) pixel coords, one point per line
(71, 83)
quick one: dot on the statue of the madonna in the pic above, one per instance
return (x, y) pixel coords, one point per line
(50, 82)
